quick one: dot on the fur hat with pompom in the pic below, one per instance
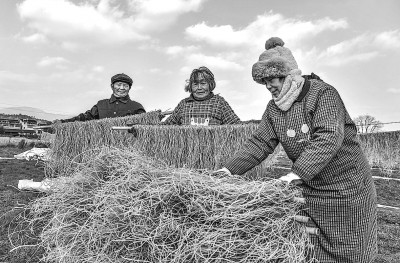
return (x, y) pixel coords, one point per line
(275, 62)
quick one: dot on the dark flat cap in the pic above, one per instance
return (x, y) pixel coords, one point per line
(121, 77)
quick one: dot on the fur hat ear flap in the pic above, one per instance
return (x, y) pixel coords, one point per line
(275, 67)
(258, 72)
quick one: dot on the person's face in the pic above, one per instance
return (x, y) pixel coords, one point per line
(120, 89)
(200, 88)
(274, 85)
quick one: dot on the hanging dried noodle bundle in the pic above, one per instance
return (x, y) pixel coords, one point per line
(73, 139)
(194, 147)
(198, 147)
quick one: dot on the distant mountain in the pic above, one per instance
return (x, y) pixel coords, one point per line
(34, 112)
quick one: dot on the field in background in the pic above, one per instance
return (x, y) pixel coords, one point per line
(11, 198)
(382, 149)
(15, 141)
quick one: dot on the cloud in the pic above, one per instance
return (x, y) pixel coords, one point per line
(67, 22)
(194, 57)
(180, 50)
(137, 88)
(34, 38)
(361, 48)
(7, 77)
(393, 90)
(160, 71)
(213, 62)
(299, 33)
(52, 61)
(269, 24)
(388, 40)
(98, 69)
(338, 61)
(160, 14)
(223, 83)
(100, 22)
(227, 89)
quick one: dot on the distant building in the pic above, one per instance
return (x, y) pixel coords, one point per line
(28, 124)
(19, 127)
(46, 127)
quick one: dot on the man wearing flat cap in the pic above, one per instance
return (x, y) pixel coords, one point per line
(118, 105)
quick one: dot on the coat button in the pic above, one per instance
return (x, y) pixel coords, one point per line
(116, 103)
(115, 112)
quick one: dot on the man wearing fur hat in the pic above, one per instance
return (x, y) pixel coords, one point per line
(309, 119)
(202, 107)
(117, 106)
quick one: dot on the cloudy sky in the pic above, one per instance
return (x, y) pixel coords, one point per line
(59, 55)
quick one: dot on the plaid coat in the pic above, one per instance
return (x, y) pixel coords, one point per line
(319, 136)
(211, 111)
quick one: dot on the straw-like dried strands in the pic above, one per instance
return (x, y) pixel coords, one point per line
(46, 137)
(147, 212)
(197, 147)
(73, 139)
(179, 146)
(382, 149)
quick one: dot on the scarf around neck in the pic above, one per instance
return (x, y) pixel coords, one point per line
(291, 89)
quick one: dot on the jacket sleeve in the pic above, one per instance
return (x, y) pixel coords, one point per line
(228, 115)
(175, 117)
(92, 114)
(327, 135)
(262, 143)
(140, 109)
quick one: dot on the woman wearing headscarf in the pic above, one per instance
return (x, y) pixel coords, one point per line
(309, 119)
(202, 107)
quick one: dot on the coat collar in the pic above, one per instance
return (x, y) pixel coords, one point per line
(303, 93)
(123, 99)
(191, 98)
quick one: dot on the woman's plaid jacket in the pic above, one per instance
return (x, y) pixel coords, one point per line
(320, 138)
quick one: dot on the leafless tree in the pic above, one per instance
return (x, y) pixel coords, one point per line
(367, 124)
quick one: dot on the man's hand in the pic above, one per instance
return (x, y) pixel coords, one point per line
(291, 178)
(223, 172)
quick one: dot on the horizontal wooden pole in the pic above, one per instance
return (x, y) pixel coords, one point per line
(301, 219)
(124, 128)
(312, 231)
(113, 128)
(388, 207)
(386, 178)
(300, 200)
(169, 112)
(121, 128)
